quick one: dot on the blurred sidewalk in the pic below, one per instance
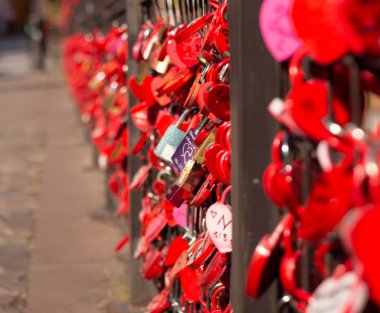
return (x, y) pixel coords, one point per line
(13, 60)
(56, 254)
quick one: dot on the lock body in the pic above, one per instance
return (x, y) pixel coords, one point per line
(169, 143)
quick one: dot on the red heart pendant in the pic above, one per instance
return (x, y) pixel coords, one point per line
(177, 246)
(190, 284)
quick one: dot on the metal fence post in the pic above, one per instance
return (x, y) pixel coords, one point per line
(253, 86)
(139, 293)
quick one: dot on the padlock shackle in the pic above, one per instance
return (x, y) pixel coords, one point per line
(222, 198)
(182, 117)
(202, 124)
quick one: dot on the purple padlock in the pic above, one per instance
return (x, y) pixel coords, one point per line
(185, 150)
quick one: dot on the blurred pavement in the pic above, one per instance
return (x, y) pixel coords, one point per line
(56, 245)
(13, 59)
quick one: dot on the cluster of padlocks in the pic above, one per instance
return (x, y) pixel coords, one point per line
(324, 174)
(183, 115)
(95, 66)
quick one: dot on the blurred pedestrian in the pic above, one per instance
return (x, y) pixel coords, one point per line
(39, 29)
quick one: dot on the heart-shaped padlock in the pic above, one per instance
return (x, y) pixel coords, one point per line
(214, 270)
(219, 223)
(177, 246)
(201, 251)
(265, 261)
(277, 29)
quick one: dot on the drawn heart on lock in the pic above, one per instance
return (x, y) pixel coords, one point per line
(277, 29)
(219, 223)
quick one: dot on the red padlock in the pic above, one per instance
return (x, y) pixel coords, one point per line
(201, 251)
(154, 264)
(214, 270)
(265, 261)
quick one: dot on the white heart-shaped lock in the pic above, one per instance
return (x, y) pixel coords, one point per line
(219, 224)
(345, 294)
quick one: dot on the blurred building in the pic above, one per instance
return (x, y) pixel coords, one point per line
(13, 15)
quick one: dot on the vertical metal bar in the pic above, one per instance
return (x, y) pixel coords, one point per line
(138, 291)
(171, 14)
(304, 272)
(177, 12)
(183, 11)
(355, 87)
(194, 9)
(253, 86)
(156, 10)
(163, 10)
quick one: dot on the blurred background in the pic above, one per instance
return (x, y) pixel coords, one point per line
(29, 23)
(52, 199)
